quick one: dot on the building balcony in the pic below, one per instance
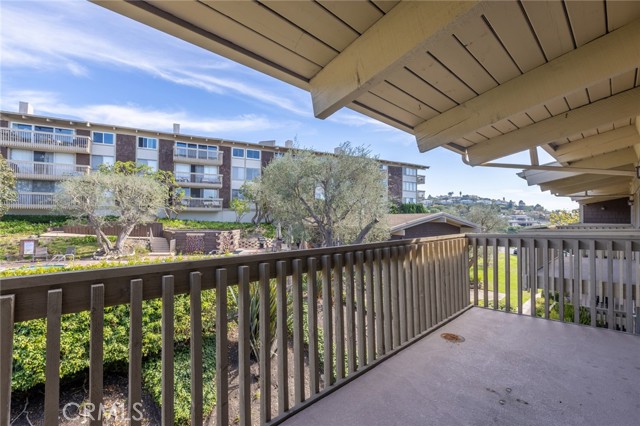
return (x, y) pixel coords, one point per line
(44, 141)
(33, 200)
(420, 179)
(202, 204)
(420, 196)
(199, 180)
(460, 331)
(45, 171)
(197, 156)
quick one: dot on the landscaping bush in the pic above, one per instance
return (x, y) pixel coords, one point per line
(30, 338)
(152, 378)
(267, 230)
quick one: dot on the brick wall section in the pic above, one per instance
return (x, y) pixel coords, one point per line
(165, 154)
(428, 229)
(615, 211)
(125, 147)
(83, 159)
(395, 184)
(225, 171)
(83, 132)
(266, 157)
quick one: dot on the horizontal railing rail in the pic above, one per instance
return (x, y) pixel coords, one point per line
(587, 278)
(360, 303)
(47, 169)
(200, 178)
(18, 138)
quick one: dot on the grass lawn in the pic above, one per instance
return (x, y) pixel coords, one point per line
(513, 279)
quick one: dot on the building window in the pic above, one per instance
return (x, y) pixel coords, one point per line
(409, 171)
(104, 138)
(237, 193)
(253, 154)
(252, 173)
(152, 164)
(409, 200)
(278, 155)
(97, 160)
(237, 152)
(409, 186)
(147, 143)
(237, 173)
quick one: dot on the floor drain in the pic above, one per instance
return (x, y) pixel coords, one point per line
(454, 338)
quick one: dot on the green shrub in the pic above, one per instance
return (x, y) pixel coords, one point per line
(267, 230)
(30, 338)
(152, 378)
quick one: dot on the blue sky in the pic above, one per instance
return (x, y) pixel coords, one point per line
(75, 59)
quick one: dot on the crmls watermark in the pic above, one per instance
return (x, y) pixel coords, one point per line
(86, 412)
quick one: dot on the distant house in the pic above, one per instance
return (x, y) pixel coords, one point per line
(419, 225)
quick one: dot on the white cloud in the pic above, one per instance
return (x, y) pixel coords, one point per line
(48, 37)
(141, 117)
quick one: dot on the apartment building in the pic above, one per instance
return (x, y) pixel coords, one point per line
(42, 151)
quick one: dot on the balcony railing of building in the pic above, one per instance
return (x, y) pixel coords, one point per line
(420, 179)
(42, 170)
(44, 140)
(199, 179)
(33, 200)
(420, 196)
(202, 203)
(197, 156)
(360, 303)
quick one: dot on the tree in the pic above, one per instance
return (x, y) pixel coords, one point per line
(333, 199)
(411, 208)
(240, 207)
(8, 192)
(488, 217)
(251, 191)
(564, 217)
(111, 198)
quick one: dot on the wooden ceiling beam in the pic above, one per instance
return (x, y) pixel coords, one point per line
(593, 146)
(605, 57)
(600, 113)
(387, 45)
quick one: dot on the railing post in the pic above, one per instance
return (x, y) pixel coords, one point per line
(96, 352)
(7, 309)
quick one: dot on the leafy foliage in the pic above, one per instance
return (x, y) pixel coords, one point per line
(8, 192)
(240, 207)
(411, 208)
(564, 217)
(488, 217)
(327, 198)
(152, 378)
(266, 230)
(133, 198)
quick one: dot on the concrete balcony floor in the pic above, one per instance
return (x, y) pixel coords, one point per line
(510, 370)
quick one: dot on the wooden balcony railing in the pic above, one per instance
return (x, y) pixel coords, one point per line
(42, 170)
(44, 140)
(589, 278)
(366, 301)
(33, 200)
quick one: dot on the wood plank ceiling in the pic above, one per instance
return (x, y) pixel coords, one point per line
(481, 78)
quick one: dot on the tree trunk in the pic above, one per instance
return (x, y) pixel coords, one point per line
(365, 231)
(122, 237)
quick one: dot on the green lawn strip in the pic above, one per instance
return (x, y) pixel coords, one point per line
(513, 280)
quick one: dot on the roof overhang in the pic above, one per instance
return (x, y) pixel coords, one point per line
(481, 78)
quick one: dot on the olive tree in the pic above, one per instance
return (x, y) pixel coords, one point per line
(112, 199)
(487, 217)
(8, 192)
(329, 198)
